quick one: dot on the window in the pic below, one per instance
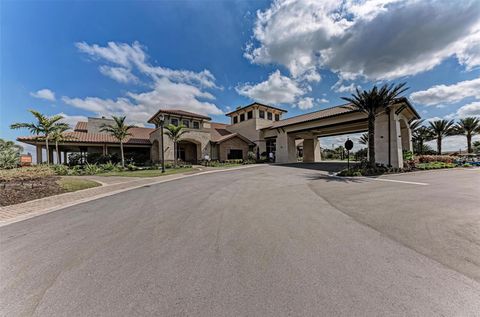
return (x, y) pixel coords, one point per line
(196, 125)
(261, 114)
(174, 121)
(242, 117)
(235, 119)
(277, 117)
(235, 155)
(269, 115)
(250, 115)
(186, 123)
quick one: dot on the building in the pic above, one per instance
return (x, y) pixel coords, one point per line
(256, 128)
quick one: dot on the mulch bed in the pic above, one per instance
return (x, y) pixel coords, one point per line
(19, 191)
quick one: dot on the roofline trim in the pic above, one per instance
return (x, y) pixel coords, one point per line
(255, 103)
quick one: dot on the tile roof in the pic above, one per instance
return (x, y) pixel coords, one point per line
(81, 126)
(180, 113)
(139, 136)
(329, 112)
(253, 104)
(219, 133)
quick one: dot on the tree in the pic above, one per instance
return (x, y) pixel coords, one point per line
(372, 102)
(9, 154)
(440, 129)
(58, 136)
(44, 127)
(119, 130)
(476, 147)
(175, 133)
(421, 135)
(363, 139)
(468, 127)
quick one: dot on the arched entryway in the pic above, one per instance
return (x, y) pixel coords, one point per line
(187, 151)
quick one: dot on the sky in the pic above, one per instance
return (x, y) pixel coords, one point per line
(94, 58)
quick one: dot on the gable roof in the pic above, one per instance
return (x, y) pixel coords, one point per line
(219, 133)
(81, 126)
(181, 113)
(253, 104)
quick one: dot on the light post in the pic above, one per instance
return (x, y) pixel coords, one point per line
(162, 122)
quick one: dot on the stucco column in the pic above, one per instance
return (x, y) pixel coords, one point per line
(311, 150)
(39, 154)
(285, 151)
(382, 140)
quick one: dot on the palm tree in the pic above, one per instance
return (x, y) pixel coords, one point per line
(58, 136)
(175, 133)
(420, 135)
(440, 129)
(9, 154)
(44, 125)
(363, 139)
(372, 102)
(468, 127)
(119, 130)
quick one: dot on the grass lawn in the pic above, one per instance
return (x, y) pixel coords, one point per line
(149, 173)
(74, 184)
(434, 165)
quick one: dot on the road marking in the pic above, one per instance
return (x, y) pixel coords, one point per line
(396, 181)
(380, 179)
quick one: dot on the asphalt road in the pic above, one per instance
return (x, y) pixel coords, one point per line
(264, 241)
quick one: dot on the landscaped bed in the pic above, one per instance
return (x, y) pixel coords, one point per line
(23, 184)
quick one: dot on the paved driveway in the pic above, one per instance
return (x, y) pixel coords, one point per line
(265, 241)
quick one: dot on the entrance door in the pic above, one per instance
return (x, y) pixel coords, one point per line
(235, 154)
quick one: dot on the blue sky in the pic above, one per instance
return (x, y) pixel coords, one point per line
(99, 58)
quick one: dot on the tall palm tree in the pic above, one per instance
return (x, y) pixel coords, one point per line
(420, 135)
(468, 127)
(45, 125)
(363, 139)
(175, 133)
(58, 136)
(119, 130)
(372, 102)
(440, 129)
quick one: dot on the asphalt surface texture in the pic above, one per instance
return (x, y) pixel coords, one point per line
(263, 241)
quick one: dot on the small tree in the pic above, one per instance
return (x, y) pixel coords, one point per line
(119, 130)
(58, 136)
(44, 127)
(440, 129)
(9, 154)
(468, 127)
(175, 133)
(372, 102)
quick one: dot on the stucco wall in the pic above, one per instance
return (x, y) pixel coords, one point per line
(235, 144)
(199, 137)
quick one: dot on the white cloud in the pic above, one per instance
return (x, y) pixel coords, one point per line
(169, 88)
(120, 74)
(468, 110)
(376, 39)
(72, 120)
(46, 94)
(133, 57)
(305, 103)
(448, 93)
(341, 88)
(323, 100)
(276, 89)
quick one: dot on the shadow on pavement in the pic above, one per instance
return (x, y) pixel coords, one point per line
(330, 167)
(335, 179)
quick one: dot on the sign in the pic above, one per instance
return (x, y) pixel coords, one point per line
(349, 144)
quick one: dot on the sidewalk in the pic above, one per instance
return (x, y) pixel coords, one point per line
(29, 209)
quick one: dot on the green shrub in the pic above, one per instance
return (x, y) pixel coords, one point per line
(132, 167)
(75, 171)
(26, 173)
(351, 172)
(434, 158)
(60, 169)
(251, 156)
(9, 154)
(91, 169)
(110, 167)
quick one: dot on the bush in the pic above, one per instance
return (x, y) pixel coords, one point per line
(351, 172)
(91, 169)
(434, 165)
(9, 154)
(110, 167)
(60, 169)
(26, 173)
(251, 156)
(132, 167)
(434, 158)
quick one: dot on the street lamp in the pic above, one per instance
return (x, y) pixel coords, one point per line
(162, 122)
